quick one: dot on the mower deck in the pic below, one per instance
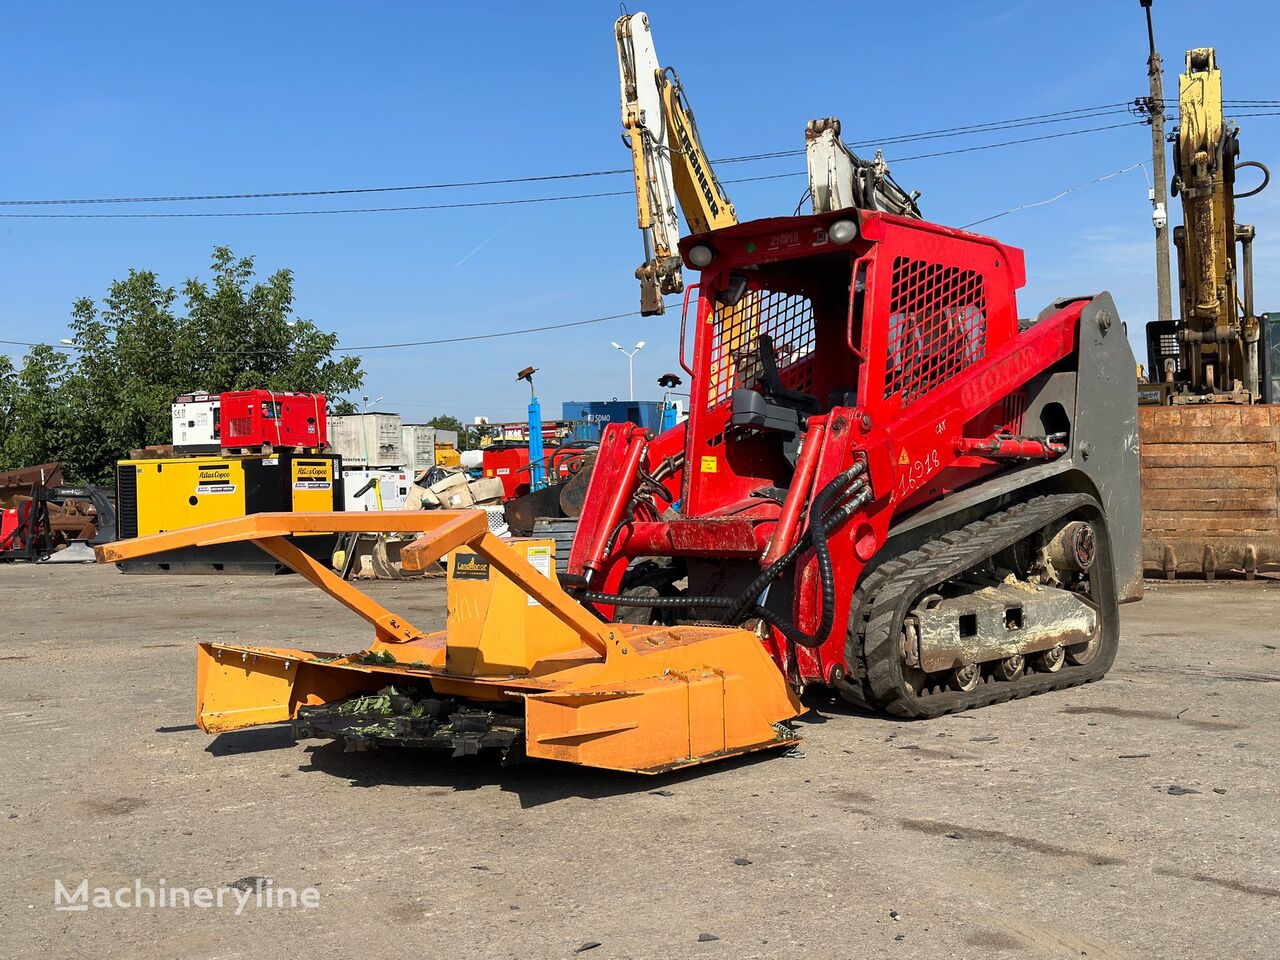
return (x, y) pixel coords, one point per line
(522, 667)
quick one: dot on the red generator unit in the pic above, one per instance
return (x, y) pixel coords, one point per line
(567, 459)
(508, 462)
(265, 420)
(13, 522)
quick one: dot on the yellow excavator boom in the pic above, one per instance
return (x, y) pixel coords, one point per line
(670, 167)
(1219, 333)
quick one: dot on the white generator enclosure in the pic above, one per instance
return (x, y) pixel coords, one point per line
(360, 495)
(197, 423)
(419, 441)
(368, 440)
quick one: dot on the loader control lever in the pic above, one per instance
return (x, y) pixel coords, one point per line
(775, 407)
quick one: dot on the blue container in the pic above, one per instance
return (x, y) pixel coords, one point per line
(597, 414)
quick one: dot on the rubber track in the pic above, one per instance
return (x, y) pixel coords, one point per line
(888, 594)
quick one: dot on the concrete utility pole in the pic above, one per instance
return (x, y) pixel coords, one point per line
(1160, 192)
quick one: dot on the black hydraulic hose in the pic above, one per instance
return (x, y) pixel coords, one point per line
(1266, 178)
(787, 628)
(628, 516)
(665, 603)
(648, 480)
(823, 520)
(842, 483)
(747, 600)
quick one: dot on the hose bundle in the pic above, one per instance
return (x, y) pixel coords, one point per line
(832, 506)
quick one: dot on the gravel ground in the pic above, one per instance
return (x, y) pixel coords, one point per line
(1132, 818)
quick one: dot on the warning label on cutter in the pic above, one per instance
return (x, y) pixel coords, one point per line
(540, 559)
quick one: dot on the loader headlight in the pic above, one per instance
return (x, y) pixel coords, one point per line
(701, 255)
(842, 231)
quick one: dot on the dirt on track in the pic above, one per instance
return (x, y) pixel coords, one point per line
(1131, 818)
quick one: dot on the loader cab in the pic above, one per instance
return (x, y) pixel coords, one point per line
(798, 316)
(769, 347)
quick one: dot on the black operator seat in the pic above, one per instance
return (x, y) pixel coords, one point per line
(773, 407)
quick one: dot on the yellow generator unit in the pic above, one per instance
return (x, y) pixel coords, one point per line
(161, 495)
(447, 455)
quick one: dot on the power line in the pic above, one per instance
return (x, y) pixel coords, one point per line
(409, 343)
(1061, 116)
(344, 210)
(1085, 114)
(1056, 197)
(491, 336)
(25, 343)
(1009, 143)
(995, 127)
(223, 214)
(309, 213)
(631, 313)
(635, 313)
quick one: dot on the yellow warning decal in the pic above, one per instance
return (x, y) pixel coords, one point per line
(710, 464)
(903, 459)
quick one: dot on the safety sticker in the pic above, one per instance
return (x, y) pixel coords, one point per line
(540, 560)
(710, 464)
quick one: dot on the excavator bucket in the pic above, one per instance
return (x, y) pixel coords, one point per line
(521, 668)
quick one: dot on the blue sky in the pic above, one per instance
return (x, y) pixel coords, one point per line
(144, 99)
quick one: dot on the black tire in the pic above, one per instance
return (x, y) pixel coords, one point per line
(648, 578)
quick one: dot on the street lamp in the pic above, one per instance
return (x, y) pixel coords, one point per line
(364, 428)
(631, 372)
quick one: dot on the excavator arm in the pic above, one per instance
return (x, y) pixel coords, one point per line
(1219, 332)
(839, 178)
(670, 166)
(668, 161)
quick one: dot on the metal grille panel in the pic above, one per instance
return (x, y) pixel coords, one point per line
(238, 427)
(1162, 349)
(126, 501)
(735, 359)
(937, 325)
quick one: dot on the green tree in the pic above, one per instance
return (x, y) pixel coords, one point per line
(242, 337)
(466, 436)
(8, 396)
(139, 349)
(37, 419)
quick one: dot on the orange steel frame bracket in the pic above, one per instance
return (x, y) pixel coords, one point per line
(443, 531)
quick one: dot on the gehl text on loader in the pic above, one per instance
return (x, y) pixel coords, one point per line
(888, 486)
